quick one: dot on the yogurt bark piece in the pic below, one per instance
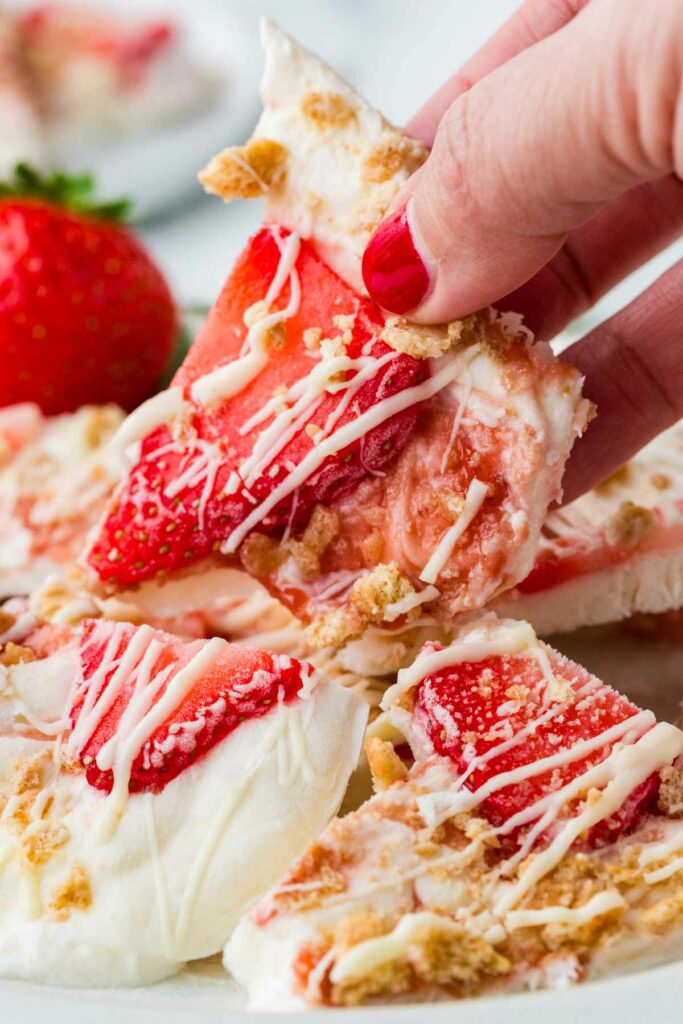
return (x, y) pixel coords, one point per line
(151, 791)
(612, 553)
(535, 841)
(359, 466)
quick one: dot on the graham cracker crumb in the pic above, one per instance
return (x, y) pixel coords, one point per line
(29, 776)
(663, 914)
(74, 894)
(670, 800)
(392, 154)
(358, 927)
(312, 337)
(336, 628)
(442, 956)
(15, 654)
(100, 423)
(368, 598)
(445, 957)
(276, 336)
(560, 690)
(338, 344)
(421, 342)
(322, 528)
(430, 342)
(386, 980)
(6, 621)
(630, 525)
(261, 555)
(386, 767)
(245, 172)
(328, 110)
(518, 691)
(39, 846)
(372, 547)
(621, 477)
(375, 590)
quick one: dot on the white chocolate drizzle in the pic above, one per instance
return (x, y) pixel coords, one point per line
(446, 369)
(626, 768)
(153, 413)
(406, 604)
(474, 499)
(505, 638)
(229, 380)
(602, 903)
(365, 957)
(143, 715)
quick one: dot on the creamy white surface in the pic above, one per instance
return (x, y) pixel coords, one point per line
(183, 864)
(333, 171)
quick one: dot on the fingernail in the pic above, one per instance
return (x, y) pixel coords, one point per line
(395, 274)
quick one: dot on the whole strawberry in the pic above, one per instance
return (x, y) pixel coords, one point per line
(85, 315)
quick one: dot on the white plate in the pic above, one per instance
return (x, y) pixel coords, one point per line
(652, 996)
(159, 170)
(205, 993)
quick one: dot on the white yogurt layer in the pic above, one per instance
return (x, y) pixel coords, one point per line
(171, 881)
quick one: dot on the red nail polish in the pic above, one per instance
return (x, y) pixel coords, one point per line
(393, 270)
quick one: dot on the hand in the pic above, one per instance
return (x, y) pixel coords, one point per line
(556, 171)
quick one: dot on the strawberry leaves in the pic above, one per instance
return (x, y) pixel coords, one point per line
(71, 192)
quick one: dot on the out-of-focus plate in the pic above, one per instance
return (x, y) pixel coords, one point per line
(646, 669)
(653, 996)
(157, 170)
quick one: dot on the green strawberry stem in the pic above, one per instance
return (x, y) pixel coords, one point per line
(73, 192)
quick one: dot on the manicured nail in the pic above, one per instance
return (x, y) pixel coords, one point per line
(395, 274)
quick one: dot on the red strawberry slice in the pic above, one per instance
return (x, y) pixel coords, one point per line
(473, 708)
(239, 684)
(181, 502)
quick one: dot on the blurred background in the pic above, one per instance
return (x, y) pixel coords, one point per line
(144, 91)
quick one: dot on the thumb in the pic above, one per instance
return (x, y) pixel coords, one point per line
(530, 152)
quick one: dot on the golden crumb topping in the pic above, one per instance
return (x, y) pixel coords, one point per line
(393, 153)
(28, 776)
(261, 555)
(6, 621)
(335, 628)
(40, 845)
(258, 311)
(328, 110)
(663, 914)
(15, 654)
(74, 894)
(368, 598)
(426, 341)
(386, 767)
(312, 337)
(670, 799)
(385, 585)
(630, 525)
(322, 528)
(99, 424)
(245, 172)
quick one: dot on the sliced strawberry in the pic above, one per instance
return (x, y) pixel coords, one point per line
(238, 685)
(470, 709)
(159, 525)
